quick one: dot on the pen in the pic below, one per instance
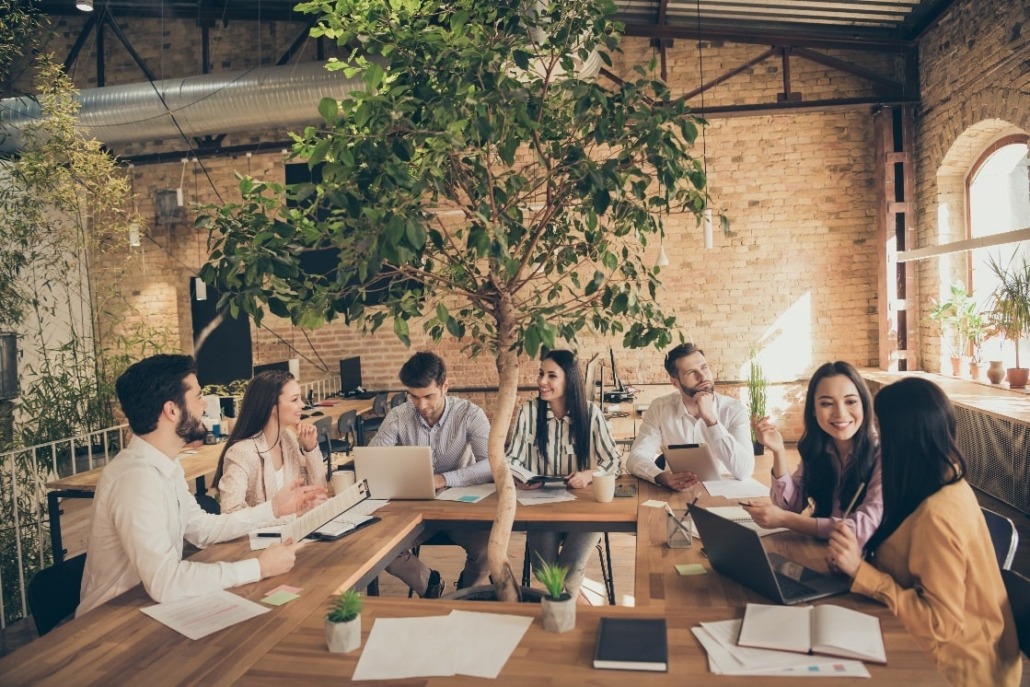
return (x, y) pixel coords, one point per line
(678, 522)
(854, 500)
(270, 535)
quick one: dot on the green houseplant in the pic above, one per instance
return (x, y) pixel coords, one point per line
(1010, 308)
(957, 318)
(343, 622)
(481, 185)
(558, 608)
(757, 395)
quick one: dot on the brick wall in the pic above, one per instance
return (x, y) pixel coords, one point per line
(797, 273)
(974, 76)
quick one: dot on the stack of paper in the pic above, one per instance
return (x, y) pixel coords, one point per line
(737, 514)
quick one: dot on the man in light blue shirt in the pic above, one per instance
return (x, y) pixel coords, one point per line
(457, 431)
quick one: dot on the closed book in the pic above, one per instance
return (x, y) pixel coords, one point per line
(632, 644)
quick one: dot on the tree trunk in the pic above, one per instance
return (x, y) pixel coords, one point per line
(507, 392)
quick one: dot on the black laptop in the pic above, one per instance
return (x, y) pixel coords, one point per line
(736, 551)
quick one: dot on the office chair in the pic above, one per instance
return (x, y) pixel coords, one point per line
(346, 430)
(323, 426)
(399, 399)
(209, 504)
(372, 422)
(1018, 588)
(53, 593)
(1003, 536)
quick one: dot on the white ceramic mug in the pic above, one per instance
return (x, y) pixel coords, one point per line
(341, 480)
(604, 486)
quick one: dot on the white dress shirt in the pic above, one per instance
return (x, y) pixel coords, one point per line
(142, 512)
(667, 422)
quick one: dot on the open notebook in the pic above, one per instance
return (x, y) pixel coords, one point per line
(739, 515)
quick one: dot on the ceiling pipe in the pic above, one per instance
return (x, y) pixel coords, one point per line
(260, 99)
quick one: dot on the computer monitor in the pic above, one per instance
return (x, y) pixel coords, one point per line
(283, 366)
(350, 375)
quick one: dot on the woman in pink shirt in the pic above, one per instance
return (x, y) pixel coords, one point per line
(839, 457)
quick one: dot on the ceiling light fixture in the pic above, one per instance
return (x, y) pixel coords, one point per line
(84, 5)
(706, 218)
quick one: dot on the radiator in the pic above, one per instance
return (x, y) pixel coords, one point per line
(998, 454)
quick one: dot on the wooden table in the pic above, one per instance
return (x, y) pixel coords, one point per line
(197, 464)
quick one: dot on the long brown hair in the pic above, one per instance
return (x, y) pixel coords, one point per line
(260, 398)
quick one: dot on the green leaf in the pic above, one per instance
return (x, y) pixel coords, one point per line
(328, 108)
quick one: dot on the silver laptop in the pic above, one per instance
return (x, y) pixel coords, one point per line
(736, 551)
(396, 472)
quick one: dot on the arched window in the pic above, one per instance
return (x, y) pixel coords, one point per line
(998, 201)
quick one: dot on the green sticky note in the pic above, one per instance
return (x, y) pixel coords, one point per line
(691, 569)
(279, 598)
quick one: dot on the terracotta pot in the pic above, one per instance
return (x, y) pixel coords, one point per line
(560, 615)
(974, 371)
(343, 637)
(996, 372)
(1017, 377)
(956, 366)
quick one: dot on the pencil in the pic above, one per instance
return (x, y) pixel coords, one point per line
(854, 500)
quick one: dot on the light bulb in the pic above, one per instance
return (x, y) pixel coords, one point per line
(663, 259)
(84, 5)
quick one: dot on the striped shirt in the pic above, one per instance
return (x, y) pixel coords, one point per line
(561, 454)
(462, 426)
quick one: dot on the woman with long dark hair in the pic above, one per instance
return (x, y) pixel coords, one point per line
(269, 447)
(562, 434)
(839, 459)
(931, 560)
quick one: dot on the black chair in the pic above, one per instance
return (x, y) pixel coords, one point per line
(1018, 588)
(209, 504)
(1003, 536)
(371, 423)
(53, 593)
(346, 430)
(399, 399)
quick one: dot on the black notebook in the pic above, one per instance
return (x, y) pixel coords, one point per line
(632, 644)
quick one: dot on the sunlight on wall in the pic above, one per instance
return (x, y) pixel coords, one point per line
(785, 348)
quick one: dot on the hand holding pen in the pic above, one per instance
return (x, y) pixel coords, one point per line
(845, 555)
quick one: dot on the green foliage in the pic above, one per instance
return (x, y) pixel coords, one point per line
(1010, 301)
(236, 388)
(552, 576)
(19, 22)
(959, 318)
(475, 183)
(344, 607)
(757, 389)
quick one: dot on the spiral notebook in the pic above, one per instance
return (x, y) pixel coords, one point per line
(738, 515)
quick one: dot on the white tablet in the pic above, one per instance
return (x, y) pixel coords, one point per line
(696, 458)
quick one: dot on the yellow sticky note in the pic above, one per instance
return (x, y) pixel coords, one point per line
(691, 569)
(279, 598)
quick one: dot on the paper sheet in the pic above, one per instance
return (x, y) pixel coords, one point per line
(199, 616)
(655, 503)
(473, 494)
(486, 641)
(737, 489)
(737, 514)
(257, 543)
(535, 497)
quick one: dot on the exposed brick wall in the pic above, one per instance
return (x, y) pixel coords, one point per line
(798, 190)
(974, 76)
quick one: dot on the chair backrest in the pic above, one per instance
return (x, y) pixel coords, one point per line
(398, 399)
(347, 424)
(1018, 588)
(1003, 536)
(379, 405)
(323, 426)
(53, 593)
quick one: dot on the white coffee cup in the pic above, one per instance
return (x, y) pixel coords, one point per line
(604, 486)
(341, 480)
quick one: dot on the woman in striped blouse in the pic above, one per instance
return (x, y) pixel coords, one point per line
(561, 434)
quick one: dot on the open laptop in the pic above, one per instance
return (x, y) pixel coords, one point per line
(736, 551)
(396, 472)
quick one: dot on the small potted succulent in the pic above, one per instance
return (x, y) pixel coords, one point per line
(343, 622)
(558, 608)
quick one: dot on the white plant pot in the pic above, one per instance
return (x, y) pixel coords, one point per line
(558, 616)
(343, 637)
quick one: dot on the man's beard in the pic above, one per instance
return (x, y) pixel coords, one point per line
(190, 428)
(691, 391)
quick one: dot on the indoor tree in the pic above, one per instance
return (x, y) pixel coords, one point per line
(481, 183)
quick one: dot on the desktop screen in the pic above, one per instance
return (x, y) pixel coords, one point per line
(350, 375)
(283, 366)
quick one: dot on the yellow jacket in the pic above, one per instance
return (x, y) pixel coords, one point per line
(938, 574)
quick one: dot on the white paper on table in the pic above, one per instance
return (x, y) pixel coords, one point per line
(199, 616)
(655, 503)
(486, 641)
(257, 543)
(737, 489)
(399, 648)
(473, 494)
(535, 497)
(726, 658)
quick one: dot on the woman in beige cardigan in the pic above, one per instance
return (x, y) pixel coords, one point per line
(269, 447)
(931, 560)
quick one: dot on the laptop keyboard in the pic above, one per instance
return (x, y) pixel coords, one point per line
(792, 589)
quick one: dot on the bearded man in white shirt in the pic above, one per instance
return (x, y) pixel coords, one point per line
(143, 508)
(695, 414)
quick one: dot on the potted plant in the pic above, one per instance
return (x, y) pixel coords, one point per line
(757, 394)
(343, 622)
(953, 316)
(558, 608)
(976, 332)
(1010, 309)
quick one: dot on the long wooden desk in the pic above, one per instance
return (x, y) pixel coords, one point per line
(116, 644)
(196, 463)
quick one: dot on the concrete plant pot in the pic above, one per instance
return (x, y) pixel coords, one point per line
(343, 637)
(558, 615)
